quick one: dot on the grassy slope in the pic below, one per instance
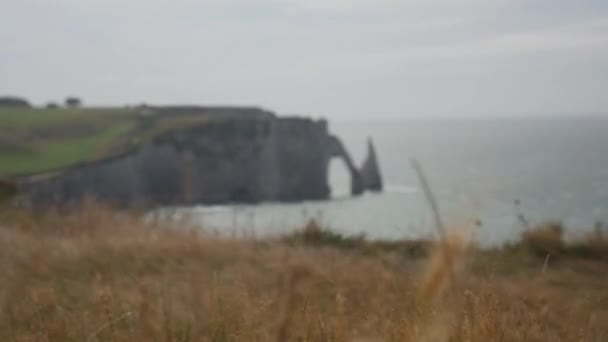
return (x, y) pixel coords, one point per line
(99, 276)
(62, 153)
(37, 140)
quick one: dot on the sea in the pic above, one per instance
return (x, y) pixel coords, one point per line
(485, 175)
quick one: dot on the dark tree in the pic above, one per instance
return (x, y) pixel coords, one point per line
(8, 190)
(13, 101)
(73, 102)
(52, 105)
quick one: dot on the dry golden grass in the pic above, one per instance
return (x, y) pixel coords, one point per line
(98, 275)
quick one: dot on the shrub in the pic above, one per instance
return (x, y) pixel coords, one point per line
(314, 234)
(546, 238)
(593, 246)
(8, 190)
(73, 102)
(12, 101)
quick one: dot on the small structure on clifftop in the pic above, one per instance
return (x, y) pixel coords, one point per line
(232, 155)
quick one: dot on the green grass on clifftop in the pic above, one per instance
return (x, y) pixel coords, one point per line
(35, 141)
(39, 140)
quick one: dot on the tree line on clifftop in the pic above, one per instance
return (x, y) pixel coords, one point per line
(20, 102)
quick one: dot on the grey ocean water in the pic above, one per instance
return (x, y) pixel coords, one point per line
(557, 168)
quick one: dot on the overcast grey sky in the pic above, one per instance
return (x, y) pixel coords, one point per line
(332, 58)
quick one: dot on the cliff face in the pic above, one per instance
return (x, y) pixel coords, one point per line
(232, 159)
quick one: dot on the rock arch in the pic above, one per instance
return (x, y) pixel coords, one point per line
(365, 178)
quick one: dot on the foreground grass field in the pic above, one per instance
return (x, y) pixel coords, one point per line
(98, 275)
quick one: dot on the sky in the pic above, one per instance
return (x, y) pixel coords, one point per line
(339, 59)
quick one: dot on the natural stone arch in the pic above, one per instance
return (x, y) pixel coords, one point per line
(368, 176)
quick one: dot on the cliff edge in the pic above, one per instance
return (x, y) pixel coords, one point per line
(241, 155)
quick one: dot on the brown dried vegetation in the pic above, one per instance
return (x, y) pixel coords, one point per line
(98, 275)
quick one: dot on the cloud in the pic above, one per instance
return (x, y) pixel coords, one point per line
(579, 38)
(366, 6)
(279, 53)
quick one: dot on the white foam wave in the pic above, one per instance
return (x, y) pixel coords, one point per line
(400, 189)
